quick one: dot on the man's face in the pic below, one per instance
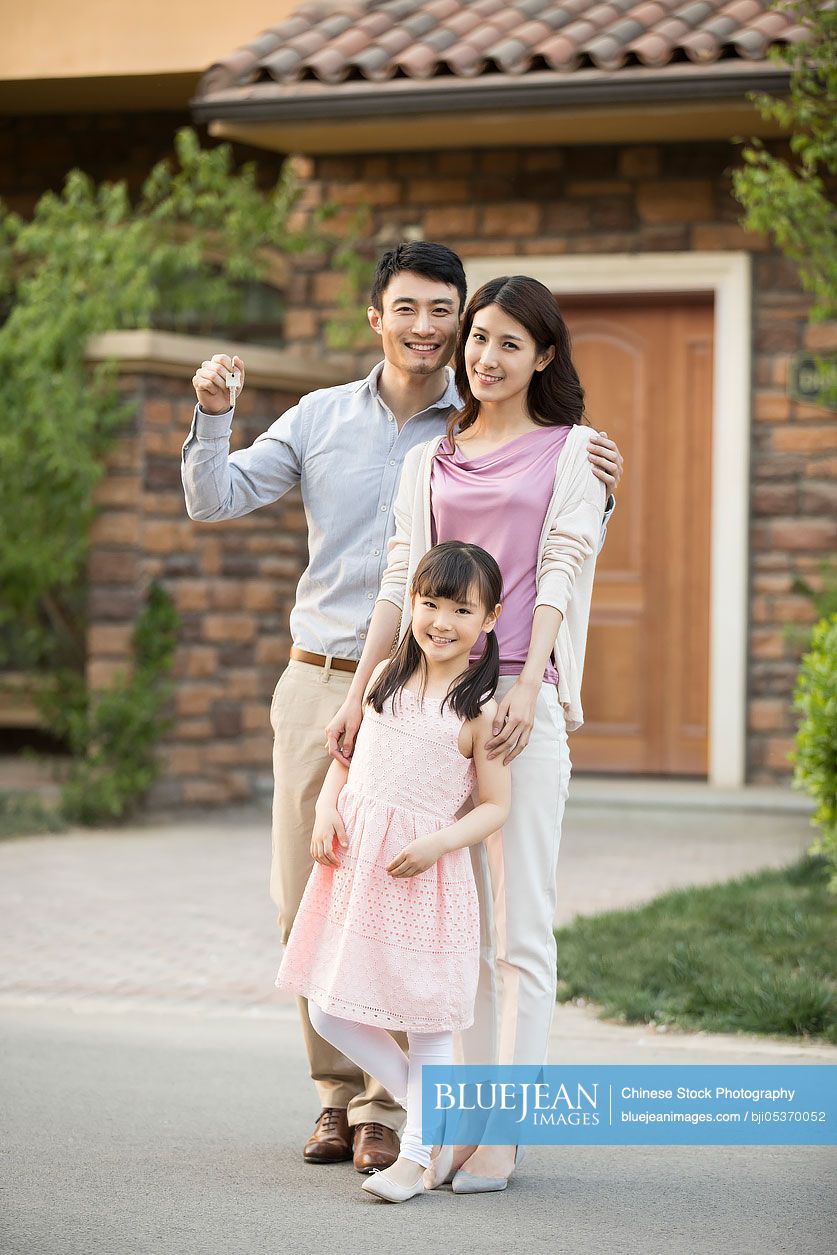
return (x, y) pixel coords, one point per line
(417, 323)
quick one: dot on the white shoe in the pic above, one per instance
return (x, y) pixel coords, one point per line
(390, 1191)
(468, 1183)
(440, 1170)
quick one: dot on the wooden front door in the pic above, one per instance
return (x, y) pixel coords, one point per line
(646, 367)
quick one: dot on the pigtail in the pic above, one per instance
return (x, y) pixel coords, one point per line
(479, 683)
(407, 659)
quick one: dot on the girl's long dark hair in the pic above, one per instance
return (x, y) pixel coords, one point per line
(555, 397)
(454, 570)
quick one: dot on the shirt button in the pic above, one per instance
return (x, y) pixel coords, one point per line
(392, 462)
(362, 635)
(370, 596)
(383, 507)
(376, 552)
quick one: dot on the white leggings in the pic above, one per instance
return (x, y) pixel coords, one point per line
(377, 1053)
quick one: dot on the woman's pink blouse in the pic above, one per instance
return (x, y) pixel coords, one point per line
(499, 501)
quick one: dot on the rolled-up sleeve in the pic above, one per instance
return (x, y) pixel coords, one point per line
(574, 534)
(610, 506)
(220, 485)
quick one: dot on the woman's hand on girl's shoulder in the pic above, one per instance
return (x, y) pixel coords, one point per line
(515, 718)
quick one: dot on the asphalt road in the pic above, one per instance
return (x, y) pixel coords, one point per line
(178, 1133)
(154, 1094)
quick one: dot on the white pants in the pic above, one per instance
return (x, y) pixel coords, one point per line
(377, 1053)
(515, 871)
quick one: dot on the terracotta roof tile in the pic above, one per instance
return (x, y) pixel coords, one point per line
(465, 60)
(331, 40)
(375, 63)
(395, 40)
(418, 61)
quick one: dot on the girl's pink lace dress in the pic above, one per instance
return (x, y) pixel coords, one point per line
(401, 952)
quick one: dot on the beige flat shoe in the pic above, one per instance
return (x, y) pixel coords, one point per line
(390, 1191)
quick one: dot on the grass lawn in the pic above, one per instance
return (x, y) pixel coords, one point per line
(756, 955)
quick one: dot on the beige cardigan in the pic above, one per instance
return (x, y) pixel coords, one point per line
(567, 552)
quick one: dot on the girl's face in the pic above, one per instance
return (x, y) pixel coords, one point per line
(446, 630)
(501, 356)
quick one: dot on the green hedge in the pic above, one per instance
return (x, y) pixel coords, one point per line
(815, 756)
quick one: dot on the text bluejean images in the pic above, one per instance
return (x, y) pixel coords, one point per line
(648, 1105)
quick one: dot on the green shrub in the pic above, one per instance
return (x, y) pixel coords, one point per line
(815, 756)
(93, 259)
(113, 733)
(24, 815)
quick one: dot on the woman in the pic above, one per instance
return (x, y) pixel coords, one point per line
(513, 476)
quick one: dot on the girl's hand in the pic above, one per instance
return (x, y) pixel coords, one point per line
(342, 731)
(416, 857)
(328, 825)
(514, 720)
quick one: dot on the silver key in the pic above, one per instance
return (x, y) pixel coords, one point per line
(232, 379)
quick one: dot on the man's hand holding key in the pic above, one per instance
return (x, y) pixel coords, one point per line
(218, 383)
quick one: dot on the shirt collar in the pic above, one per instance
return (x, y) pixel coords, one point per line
(448, 400)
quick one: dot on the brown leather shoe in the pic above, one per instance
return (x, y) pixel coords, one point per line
(331, 1141)
(376, 1147)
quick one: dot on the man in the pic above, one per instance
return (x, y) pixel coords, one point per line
(345, 446)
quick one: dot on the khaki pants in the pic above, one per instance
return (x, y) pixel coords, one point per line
(306, 698)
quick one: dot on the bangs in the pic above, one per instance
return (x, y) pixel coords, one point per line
(452, 575)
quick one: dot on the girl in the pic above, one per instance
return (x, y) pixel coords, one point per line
(387, 934)
(511, 472)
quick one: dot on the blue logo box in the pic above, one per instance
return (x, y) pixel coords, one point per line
(694, 1105)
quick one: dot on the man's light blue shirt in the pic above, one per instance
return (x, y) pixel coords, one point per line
(343, 447)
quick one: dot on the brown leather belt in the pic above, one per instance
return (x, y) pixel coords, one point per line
(320, 660)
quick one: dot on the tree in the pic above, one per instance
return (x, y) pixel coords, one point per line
(786, 199)
(90, 261)
(789, 200)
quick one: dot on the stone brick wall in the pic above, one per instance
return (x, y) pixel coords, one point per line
(645, 198)
(233, 584)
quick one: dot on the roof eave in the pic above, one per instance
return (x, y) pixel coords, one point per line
(309, 100)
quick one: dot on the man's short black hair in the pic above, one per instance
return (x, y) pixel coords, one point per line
(432, 261)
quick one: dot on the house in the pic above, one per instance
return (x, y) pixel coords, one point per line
(590, 145)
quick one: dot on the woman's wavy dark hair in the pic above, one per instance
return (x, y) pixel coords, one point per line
(555, 397)
(454, 570)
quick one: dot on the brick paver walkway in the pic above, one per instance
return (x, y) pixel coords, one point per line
(179, 913)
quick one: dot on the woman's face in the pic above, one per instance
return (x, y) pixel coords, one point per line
(501, 356)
